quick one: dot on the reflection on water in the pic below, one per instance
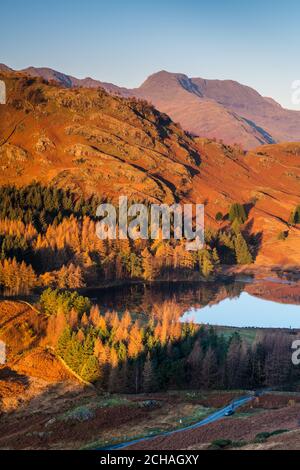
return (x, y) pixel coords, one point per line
(247, 311)
(266, 304)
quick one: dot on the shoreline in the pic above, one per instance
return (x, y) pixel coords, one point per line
(224, 273)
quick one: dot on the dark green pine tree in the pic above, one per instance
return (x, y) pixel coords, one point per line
(295, 216)
(90, 370)
(74, 354)
(237, 212)
(148, 375)
(242, 253)
(64, 342)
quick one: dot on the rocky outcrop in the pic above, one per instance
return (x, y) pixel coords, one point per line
(12, 153)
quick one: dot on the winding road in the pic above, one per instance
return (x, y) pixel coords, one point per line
(237, 403)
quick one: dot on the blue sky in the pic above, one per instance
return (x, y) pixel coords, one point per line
(256, 43)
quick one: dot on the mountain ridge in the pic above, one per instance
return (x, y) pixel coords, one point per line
(222, 109)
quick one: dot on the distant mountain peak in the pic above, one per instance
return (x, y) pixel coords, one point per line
(224, 109)
(5, 68)
(221, 109)
(273, 102)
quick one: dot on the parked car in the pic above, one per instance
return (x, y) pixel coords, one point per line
(230, 412)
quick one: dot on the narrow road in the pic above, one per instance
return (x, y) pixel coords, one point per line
(208, 420)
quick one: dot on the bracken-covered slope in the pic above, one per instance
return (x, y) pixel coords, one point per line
(88, 140)
(266, 180)
(92, 142)
(221, 109)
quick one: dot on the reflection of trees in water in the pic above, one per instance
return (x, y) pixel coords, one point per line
(234, 289)
(139, 298)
